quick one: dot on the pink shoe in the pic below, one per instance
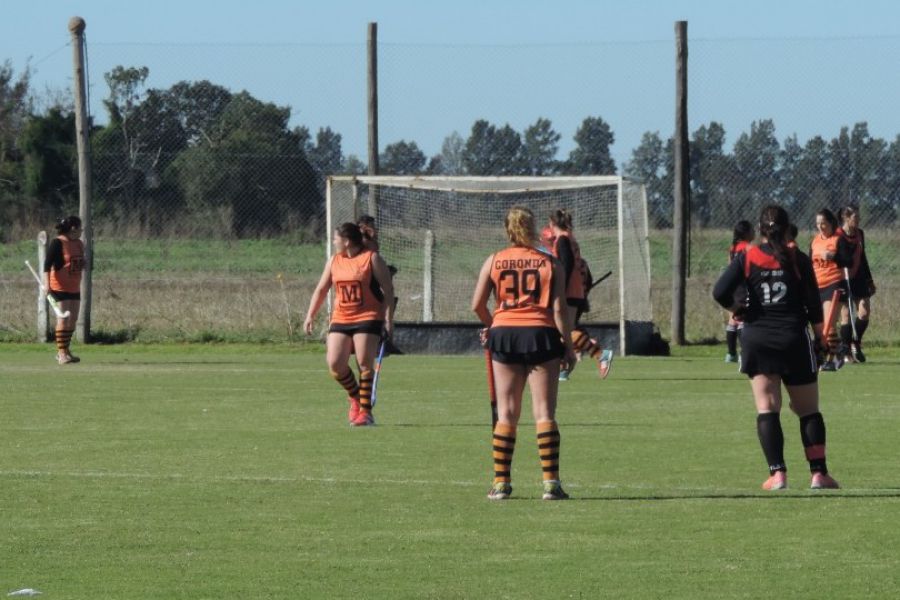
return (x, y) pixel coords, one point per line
(823, 481)
(363, 419)
(776, 481)
(353, 411)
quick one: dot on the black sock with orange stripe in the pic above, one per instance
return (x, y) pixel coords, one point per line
(812, 433)
(63, 339)
(504, 446)
(771, 438)
(548, 449)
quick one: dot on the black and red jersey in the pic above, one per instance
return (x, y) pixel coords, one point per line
(778, 297)
(854, 248)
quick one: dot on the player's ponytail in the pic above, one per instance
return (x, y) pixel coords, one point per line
(774, 225)
(520, 226)
(67, 224)
(562, 219)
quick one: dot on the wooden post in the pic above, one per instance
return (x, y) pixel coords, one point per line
(82, 127)
(682, 185)
(372, 70)
(428, 278)
(42, 322)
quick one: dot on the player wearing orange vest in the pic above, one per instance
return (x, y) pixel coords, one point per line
(782, 301)
(359, 317)
(828, 262)
(862, 286)
(741, 238)
(63, 267)
(567, 250)
(528, 335)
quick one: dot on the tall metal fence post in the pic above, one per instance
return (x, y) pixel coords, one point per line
(82, 127)
(372, 80)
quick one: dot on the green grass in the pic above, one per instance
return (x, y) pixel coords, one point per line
(229, 472)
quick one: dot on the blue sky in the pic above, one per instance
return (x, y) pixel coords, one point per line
(192, 38)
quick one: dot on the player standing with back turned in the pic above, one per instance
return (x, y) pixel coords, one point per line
(528, 334)
(775, 346)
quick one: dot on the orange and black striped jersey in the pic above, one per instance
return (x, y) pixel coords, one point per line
(64, 265)
(828, 271)
(575, 288)
(523, 285)
(357, 295)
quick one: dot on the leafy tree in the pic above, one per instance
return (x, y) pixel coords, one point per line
(451, 157)
(326, 155)
(51, 163)
(592, 156)
(714, 181)
(402, 158)
(493, 151)
(353, 165)
(15, 105)
(253, 168)
(649, 164)
(540, 148)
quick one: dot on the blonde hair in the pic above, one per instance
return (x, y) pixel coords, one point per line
(520, 226)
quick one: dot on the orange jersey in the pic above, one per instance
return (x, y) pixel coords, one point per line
(68, 279)
(575, 287)
(523, 285)
(827, 270)
(357, 295)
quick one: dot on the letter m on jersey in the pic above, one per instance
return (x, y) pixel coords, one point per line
(349, 293)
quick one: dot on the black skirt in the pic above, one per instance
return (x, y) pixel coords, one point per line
(371, 327)
(525, 345)
(787, 353)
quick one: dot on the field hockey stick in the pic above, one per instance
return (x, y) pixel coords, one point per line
(850, 303)
(50, 299)
(492, 390)
(599, 281)
(378, 370)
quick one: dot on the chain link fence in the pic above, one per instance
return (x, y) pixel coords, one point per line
(209, 161)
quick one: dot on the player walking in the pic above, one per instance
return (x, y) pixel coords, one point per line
(775, 346)
(566, 249)
(359, 316)
(528, 335)
(828, 263)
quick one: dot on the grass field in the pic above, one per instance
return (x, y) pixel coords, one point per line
(228, 471)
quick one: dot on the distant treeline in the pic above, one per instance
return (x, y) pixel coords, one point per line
(197, 159)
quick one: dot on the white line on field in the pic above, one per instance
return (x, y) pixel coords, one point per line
(610, 487)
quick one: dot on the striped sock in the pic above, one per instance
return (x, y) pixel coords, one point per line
(583, 343)
(348, 382)
(504, 445)
(548, 448)
(63, 339)
(366, 376)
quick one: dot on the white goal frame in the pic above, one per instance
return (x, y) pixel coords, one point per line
(637, 282)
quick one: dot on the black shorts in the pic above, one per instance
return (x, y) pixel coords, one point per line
(859, 289)
(372, 327)
(787, 353)
(826, 292)
(525, 345)
(60, 296)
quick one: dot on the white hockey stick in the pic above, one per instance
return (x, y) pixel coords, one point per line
(50, 299)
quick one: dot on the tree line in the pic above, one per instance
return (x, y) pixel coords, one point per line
(197, 157)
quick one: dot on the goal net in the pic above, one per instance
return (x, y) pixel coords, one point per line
(438, 231)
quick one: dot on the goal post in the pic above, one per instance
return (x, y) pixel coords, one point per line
(438, 230)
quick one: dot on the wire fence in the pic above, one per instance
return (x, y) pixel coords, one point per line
(209, 161)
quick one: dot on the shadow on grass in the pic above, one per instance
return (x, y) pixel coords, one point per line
(810, 495)
(487, 424)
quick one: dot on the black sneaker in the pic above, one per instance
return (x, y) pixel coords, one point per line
(857, 353)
